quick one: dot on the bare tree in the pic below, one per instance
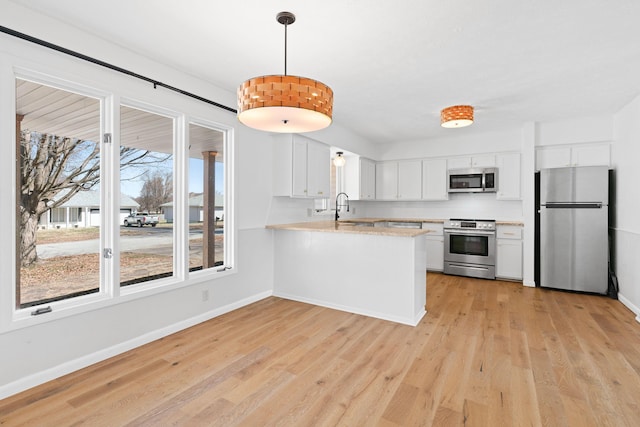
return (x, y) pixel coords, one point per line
(156, 190)
(52, 170)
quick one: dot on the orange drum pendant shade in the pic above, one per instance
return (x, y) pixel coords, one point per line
(283, 103)
(457, 116)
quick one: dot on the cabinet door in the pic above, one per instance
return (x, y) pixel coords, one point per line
(591, 155)
(367, 179)
(410, 180)
(553, 157)
(299, 171)
(434, 179)
(459, 163)
(386, 180)
(508, 176)
(435, 253)
(509, 259)
(483, 161)
(318, 170)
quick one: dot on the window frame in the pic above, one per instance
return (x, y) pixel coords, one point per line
(229, 231)
(138, 96)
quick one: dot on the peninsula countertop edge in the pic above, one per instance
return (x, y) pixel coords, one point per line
(350, 228)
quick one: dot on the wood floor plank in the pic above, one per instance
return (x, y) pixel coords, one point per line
(488, 353)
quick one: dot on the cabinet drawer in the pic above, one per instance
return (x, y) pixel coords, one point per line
(509, 232)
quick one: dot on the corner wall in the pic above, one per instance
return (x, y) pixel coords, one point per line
(626, 157)
(40, 352)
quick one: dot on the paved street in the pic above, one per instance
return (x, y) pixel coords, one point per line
(156, 240)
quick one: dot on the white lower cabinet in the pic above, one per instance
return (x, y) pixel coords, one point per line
(435, 246)
(509, 252)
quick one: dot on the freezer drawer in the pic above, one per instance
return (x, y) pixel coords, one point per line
(574, 248)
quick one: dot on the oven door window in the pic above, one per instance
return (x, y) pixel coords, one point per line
(469, 245)
(472, 181)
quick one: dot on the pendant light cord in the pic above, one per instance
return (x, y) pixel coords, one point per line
(285, 48)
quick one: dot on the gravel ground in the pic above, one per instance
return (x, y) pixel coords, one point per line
(63, 275)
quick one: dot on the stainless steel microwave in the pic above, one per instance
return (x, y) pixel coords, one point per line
(479, 180)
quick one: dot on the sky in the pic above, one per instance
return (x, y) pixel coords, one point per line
(133, 180)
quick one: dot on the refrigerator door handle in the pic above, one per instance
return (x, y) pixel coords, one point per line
(561, 205)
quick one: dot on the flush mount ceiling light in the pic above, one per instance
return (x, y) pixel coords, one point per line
(283, 103)
(339, 160)
(457, 116)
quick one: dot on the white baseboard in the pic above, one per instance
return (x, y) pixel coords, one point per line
(348, 309)
(90, 359)
(627, 303)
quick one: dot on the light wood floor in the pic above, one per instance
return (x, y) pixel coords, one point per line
(486, 354)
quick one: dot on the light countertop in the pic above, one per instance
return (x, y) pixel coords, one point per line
(374, 220)
(349, 227)
(421, 220)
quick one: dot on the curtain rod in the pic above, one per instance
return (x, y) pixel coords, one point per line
(110, 66)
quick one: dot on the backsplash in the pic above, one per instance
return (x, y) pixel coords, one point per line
(476, 206)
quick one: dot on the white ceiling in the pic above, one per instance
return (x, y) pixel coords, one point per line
(394, 65)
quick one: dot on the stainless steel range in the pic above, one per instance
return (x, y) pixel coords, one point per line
(470, 248)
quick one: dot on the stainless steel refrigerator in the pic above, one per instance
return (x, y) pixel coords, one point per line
(574, 227)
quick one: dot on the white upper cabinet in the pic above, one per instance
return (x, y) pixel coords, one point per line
(318, 170)
(479, 161)
(410, 180)
(576, 155)
(367, 179)
(359, 178)
(301, 167)
(386, 180)
(434, 179)
(508, 176)
(399, 180)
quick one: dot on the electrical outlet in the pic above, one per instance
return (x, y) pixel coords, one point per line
(205, 295)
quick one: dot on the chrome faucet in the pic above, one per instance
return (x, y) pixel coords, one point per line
(338, 206)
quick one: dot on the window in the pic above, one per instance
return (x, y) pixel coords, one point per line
(98, 218)
(206, 198)
(58, 154)
(146, 186)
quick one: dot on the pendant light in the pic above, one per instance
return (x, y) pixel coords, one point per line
(283, 103)
(339, 160)
(457, 116)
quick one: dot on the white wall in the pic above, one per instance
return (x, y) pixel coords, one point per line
(458, 206)
(626, 157)
(597, 128)
(456, 142)
(33, 354)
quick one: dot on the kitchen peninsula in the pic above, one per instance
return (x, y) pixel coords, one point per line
(373, 271)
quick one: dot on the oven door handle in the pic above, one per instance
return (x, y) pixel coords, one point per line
(471, 232)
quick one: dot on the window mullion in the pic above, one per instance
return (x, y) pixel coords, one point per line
(110, 223)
